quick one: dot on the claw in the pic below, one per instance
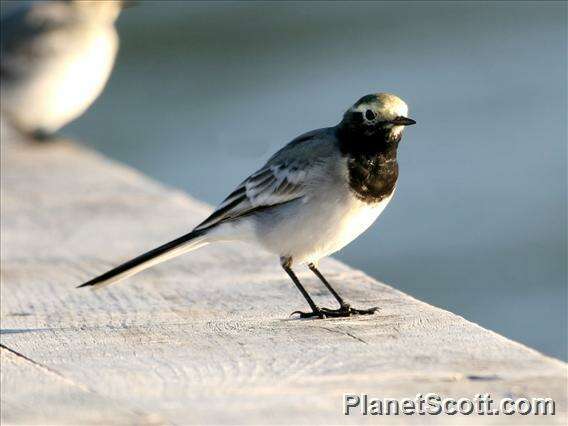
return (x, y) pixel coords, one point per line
(343, 311)
(315, 313)
(347, 311)
(369, 311)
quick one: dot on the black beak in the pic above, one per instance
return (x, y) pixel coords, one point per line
(403, 121)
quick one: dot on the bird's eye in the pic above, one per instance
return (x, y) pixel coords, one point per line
(369, 115)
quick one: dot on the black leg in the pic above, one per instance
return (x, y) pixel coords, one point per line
(328, 285)
(316, 312)
(345, 309)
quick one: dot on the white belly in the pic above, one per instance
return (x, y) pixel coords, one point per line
(308, 235)
(354, 223)
(60, 86)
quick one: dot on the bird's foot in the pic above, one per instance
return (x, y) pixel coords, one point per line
(315, 313)
(347, 311)
(41, 135)
(344, 311)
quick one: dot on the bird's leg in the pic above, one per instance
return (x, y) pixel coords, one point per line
(316, 311)
(334, 293)
(345, 309)
(41, 135)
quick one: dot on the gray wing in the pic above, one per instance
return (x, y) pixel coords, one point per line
(19, 35)
(281, 180)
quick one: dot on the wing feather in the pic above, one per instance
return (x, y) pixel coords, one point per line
(272, 185)
(21, 38)
(281, 180)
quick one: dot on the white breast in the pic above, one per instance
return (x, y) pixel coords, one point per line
(319, 227)
(356, 220)
(348, 223)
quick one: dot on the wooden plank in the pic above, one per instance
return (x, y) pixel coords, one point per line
(206, 338)
(49, 397)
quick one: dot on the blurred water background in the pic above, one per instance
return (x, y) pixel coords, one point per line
(203, 93)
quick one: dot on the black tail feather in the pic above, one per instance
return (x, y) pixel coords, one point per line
(137, 261)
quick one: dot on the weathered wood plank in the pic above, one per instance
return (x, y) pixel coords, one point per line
(206, 339)
(35, 394)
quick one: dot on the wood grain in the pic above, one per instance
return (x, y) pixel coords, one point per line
(207, 338)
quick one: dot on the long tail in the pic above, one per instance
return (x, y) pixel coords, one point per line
(181, 245)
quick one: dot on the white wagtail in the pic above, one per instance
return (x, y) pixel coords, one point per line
(311, 198)
(56, 57)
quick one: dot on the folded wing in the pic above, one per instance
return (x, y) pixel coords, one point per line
(274, 184)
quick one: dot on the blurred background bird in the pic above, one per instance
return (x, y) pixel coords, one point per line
(56, 57)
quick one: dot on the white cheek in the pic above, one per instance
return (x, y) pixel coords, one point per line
(397, 130)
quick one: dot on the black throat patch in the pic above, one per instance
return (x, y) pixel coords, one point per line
(372, 165)
(372, 178)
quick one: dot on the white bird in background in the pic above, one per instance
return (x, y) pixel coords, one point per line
(56, 57)
(312, 198)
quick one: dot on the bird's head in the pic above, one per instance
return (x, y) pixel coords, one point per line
(377, 116)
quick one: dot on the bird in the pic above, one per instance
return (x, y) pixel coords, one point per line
(310, 199)
(55, 59)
